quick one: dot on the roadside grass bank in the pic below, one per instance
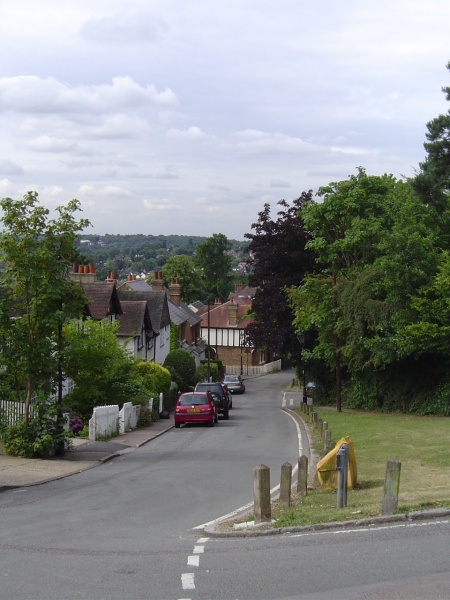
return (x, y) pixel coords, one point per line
(422, 444)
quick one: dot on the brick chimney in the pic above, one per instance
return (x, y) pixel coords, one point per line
(232, 313)
(175, 290)
(238, 287)
(157, 282)
(83, 273)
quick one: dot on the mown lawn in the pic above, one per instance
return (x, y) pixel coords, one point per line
(422, 444)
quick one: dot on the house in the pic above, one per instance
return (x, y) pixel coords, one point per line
(179, 313)
(158, 309)
(223, 327)
(186, 319)
(135, 330)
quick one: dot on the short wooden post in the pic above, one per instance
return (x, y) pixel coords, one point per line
(324, 429)
(327, 442)
(302, 480)
(285, 484)
(320, 426)
(391, 486)
(262, 509)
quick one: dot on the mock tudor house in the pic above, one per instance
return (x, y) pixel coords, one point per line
(223, 328)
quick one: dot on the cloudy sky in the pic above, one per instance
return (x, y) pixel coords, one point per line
(187, 116)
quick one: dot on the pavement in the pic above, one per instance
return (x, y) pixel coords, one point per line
(16, 471)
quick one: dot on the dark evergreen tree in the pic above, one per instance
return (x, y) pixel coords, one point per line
(432, 182)
(278, 261)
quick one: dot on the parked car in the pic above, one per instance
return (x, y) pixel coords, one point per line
(196, 407)
(218, 392)
(228, 393)
(234, 383)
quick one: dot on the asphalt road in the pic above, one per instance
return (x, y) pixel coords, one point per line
(128, 529)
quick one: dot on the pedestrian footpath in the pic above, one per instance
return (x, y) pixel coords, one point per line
(16, 471)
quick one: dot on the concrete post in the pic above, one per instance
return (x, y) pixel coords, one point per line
(262, 509)
(302, 480)
(285, 484)
(391, 486)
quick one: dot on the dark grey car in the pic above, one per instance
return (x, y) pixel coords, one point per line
(217, 391)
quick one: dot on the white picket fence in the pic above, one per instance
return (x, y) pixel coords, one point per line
(14, 412)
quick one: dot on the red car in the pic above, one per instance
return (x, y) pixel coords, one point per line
(196, 407)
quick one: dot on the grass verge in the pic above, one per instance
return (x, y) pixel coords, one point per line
(422, 444)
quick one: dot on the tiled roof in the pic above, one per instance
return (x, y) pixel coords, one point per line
(102, 299)
(157, 305)
(134, 316)
(181, 313)
(219, 315)
(136, 285)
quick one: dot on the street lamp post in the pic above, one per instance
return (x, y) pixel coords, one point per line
(301, 338)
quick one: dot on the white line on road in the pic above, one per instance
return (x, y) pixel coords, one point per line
(248, 506)
(193, 561)
(187, 581)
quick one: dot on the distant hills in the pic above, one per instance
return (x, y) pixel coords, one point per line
(138, 253)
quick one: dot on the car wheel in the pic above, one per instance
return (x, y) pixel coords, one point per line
(211, 423)
(231, 405)
(226, 416)
(177, 425)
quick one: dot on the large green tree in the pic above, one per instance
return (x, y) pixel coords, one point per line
(102, 370)
(37, 298)
(212, 258)
(346, 230)
(189, 275)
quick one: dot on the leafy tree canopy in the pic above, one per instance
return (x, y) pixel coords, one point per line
(212, 258)
(189, 275)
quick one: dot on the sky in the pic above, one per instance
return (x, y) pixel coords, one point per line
(187, 117)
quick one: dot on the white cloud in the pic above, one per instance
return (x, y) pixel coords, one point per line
(8, 167)
(162, 204)
(135, 28)
(32, 94)
(176, 117)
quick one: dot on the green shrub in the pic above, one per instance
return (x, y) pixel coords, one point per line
(183, 364)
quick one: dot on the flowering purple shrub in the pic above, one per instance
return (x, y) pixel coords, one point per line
(76, 424)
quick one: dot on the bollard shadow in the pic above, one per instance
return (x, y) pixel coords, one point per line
(367, 485)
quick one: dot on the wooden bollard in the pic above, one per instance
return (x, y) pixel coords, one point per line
(327, 442)
(262, 509)
(324, 429)
(319, 426)
(391, 486)
(285, 484)
(302, 479)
